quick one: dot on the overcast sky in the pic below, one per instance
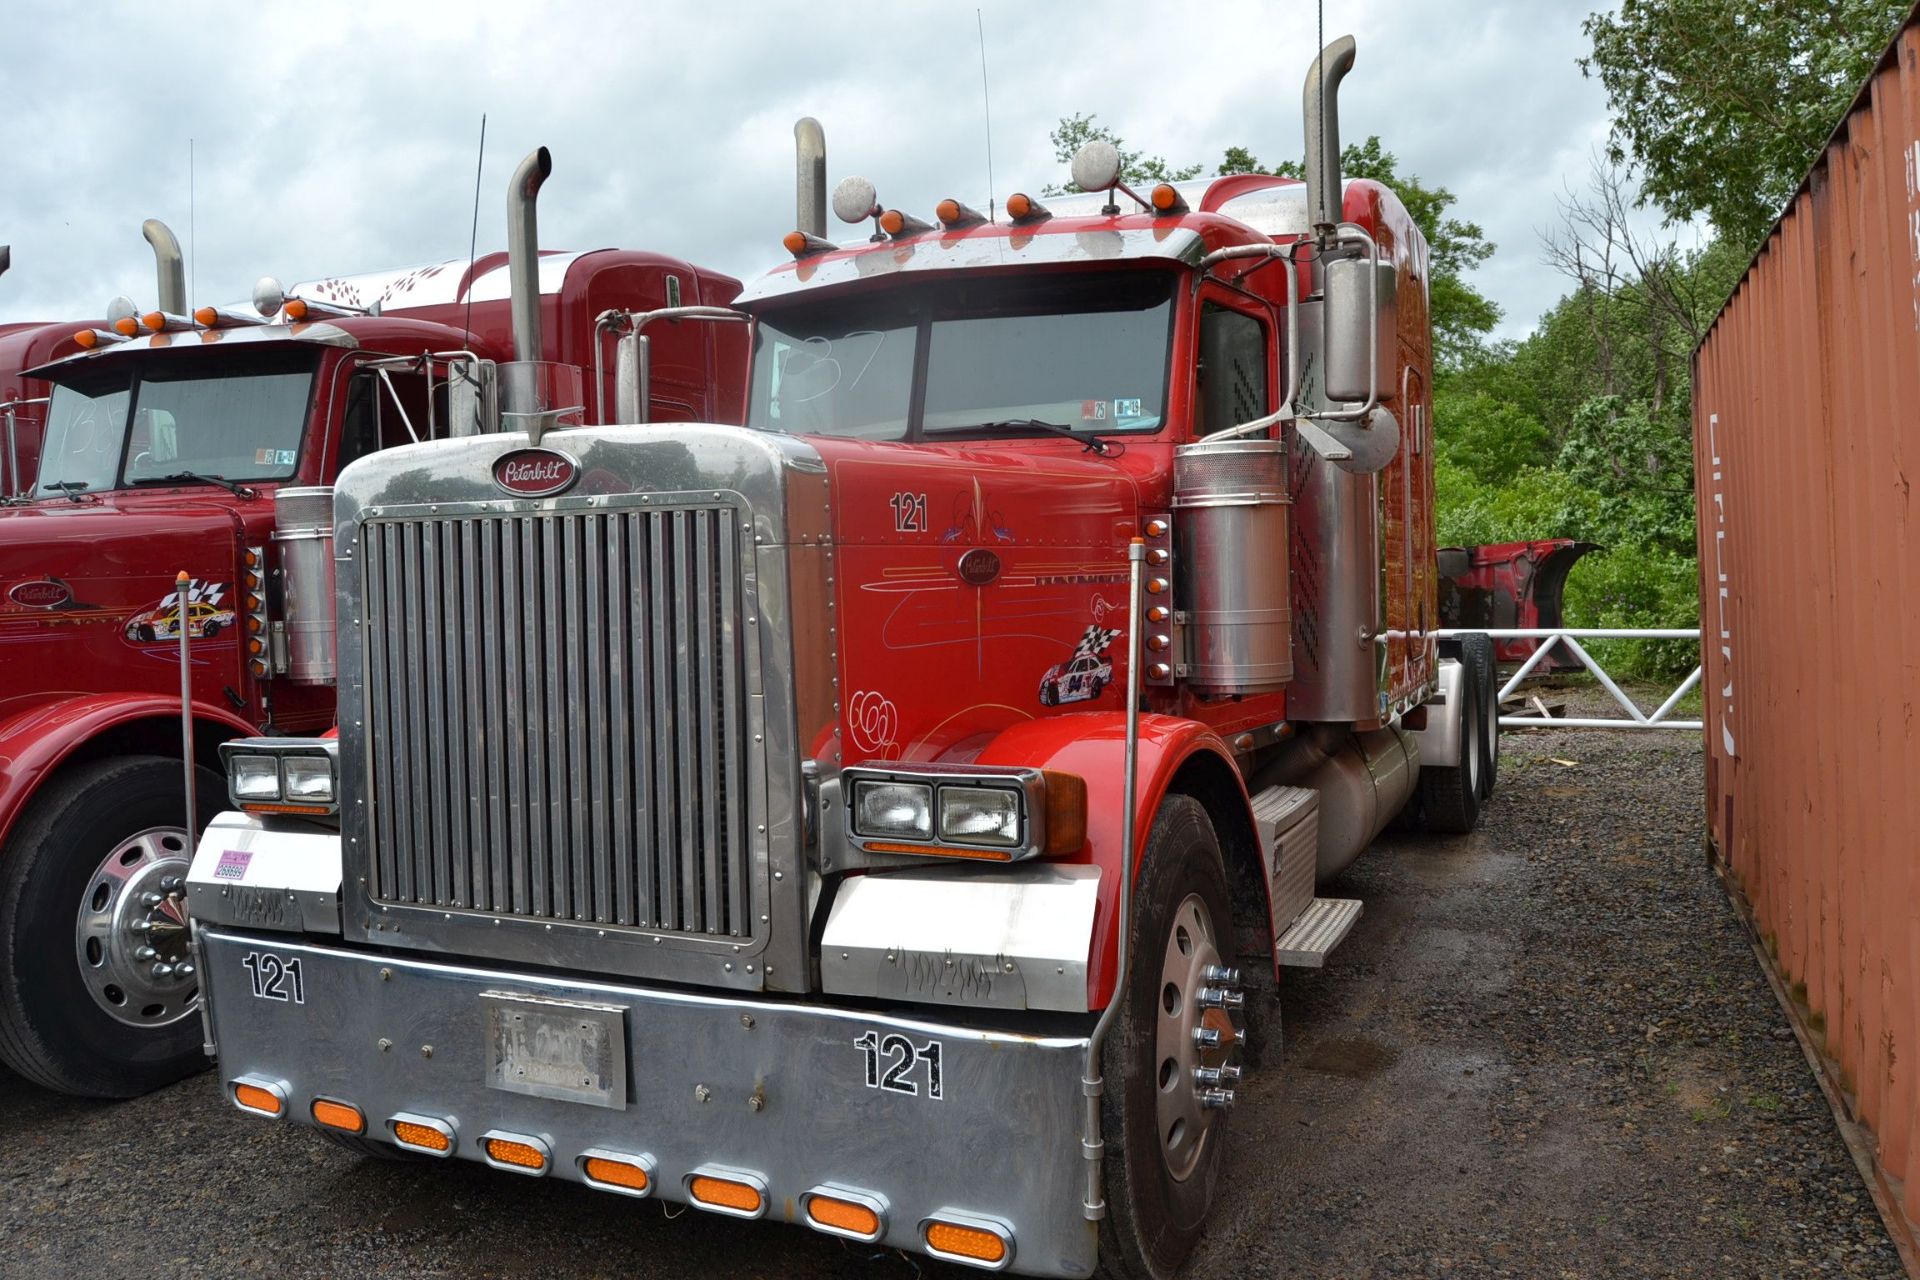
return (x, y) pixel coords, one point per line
(333, 139)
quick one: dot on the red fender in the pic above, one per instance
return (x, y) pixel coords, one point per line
(1094, 745)
(36, 742)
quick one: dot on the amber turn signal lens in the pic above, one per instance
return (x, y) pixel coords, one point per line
(616, 1173)
(254, 1098)
(796, 242)
(1066, 811)
(947, 211)
(966, 1242)
(1019, 205)
(518, 1154)
(343, 1116)
(893, 222)
(1165, 197)
(942, 851)
(424, 1136)
(724, 1193)
(843, 1215)
(296, 309)
(154, 320)
(86, 339)
(205, 317)
(126, 326)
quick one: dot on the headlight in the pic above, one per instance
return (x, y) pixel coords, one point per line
(309, 778)
(254, 777)
(980, 815)
(901, 809)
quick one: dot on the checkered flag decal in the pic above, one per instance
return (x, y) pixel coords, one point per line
(1095, 641)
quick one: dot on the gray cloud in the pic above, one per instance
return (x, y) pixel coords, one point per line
(338, 139)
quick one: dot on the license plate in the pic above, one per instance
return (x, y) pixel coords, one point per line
(556, 1049)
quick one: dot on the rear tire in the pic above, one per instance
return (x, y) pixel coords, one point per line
(1159, 1187)
(95, 841)
(1477, 650)
(1449, 795)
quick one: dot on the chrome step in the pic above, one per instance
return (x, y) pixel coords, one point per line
(1316, 932)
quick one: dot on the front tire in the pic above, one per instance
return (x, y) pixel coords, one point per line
(1164, 1148)
(92, 880)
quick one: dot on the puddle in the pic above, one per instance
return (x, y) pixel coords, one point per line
(1355, 1057)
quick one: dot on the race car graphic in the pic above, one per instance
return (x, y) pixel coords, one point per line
(1083, 675)
(206, 615)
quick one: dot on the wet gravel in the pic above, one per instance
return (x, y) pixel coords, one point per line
(1546, 1051)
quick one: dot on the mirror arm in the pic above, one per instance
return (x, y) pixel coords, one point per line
(1284, 253)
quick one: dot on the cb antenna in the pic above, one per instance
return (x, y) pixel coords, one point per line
(986, 102)
(473, 237)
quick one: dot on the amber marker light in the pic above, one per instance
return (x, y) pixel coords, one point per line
(726, 1195)
(126, 326)
(86, 339)
(517, 1154)
(893, 222)
(421, 1137)
(962, 1243)
(1166, 199)
(611, 1172)
(942, 851)
(296, 309)
(206, 317)
(840, 1216)
(258, 1098)
(343, 1116)
(1066, 811)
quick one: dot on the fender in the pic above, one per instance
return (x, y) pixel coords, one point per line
(1094, 746)
(36, 742)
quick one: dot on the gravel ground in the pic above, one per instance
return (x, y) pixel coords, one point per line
(1546, 1051)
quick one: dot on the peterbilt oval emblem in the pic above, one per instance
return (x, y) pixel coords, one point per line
(979, 567)
(535, 473)
(44, 594)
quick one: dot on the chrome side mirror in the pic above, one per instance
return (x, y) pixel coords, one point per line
(473, 398)
(1359, 358)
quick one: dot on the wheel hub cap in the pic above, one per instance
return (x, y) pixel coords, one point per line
(1194, 1037)
(131, 937)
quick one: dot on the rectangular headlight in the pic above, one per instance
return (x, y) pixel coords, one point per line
(900, 809)
(254, 777)
(309, 778)
(980, 815)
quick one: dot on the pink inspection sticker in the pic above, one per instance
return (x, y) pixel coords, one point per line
(233, 864)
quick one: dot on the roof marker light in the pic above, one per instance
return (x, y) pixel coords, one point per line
(1167, 199)
(802, 245)
(901, 225)
(166, 322)
(225, 318)
(953, 215)
(1022, 207)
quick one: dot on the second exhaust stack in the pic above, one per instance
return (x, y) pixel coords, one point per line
(1320, 108)
(523, 252)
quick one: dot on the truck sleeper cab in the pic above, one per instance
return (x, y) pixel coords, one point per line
(703, 828)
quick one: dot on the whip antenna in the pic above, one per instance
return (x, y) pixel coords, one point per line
(473, 237)
(986, 102)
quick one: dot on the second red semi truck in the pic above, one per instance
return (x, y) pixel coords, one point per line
(891, 815)
(206, 443)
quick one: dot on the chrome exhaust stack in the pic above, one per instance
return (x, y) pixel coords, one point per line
(523, 251)
(6, 258)
(810, 177)
(1320, 108)
(171, 267)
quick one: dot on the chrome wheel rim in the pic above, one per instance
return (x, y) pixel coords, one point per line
(131, 939)
(1184, 1122)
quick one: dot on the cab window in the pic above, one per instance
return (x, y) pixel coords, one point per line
(1233, 381)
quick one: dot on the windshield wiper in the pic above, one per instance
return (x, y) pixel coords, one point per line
(72, 488)
(1093, 443)
(237, 490)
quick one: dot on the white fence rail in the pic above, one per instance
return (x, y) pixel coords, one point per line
(1568, 639)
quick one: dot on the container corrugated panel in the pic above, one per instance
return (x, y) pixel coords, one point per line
(1807, 439)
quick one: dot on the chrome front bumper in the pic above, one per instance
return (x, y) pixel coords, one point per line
(776, 1091)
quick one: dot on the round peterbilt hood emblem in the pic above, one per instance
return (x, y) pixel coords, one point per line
(979, 567)
(44, 594)
(535, 473)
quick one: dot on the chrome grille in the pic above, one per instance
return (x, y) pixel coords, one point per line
(557, 715)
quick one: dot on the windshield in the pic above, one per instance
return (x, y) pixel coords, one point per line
(141, 423)
(1087, 352)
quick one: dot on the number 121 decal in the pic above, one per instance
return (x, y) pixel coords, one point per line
(893, 1061)
(275, 979)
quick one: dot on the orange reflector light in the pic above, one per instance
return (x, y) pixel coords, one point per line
(1165, 198)
(206, 316)
(943, 851)
(296, 309)
(126, 326)
(1019, 205)
(254, 1098)
(616, 1173)
(252, 556)
(256, 645)
(947, 210)
(893, 222)
(520, 1155)
(424, 1136)
(154, 320)
(966, 1242)
(1066, 811)
(795, 242)
(343, 1116)
(843, 1215)
(251, 807)
(86, 339)
(724, 1193)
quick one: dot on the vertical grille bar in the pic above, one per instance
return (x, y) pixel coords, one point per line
(557, 716)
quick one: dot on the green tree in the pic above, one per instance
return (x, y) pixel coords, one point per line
(1721, 104)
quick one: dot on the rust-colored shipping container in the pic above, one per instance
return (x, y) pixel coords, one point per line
(1807, 439)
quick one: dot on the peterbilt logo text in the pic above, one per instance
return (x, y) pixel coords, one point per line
(46, 593)
(535, 473)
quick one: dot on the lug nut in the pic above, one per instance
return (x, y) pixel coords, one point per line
(141, 926)
(172, 884)
(163, 970)
(145, 953)
(151, 899)
(1216, 1099)
(1216, 1075)
(1221, 998)
(185, 970)
(1223, 975)
(1207, 1037)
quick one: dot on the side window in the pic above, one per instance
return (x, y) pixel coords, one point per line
(1233, 369)
(380, 414)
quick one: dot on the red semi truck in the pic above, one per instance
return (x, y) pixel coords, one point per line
(204, 443)
(890, 816)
